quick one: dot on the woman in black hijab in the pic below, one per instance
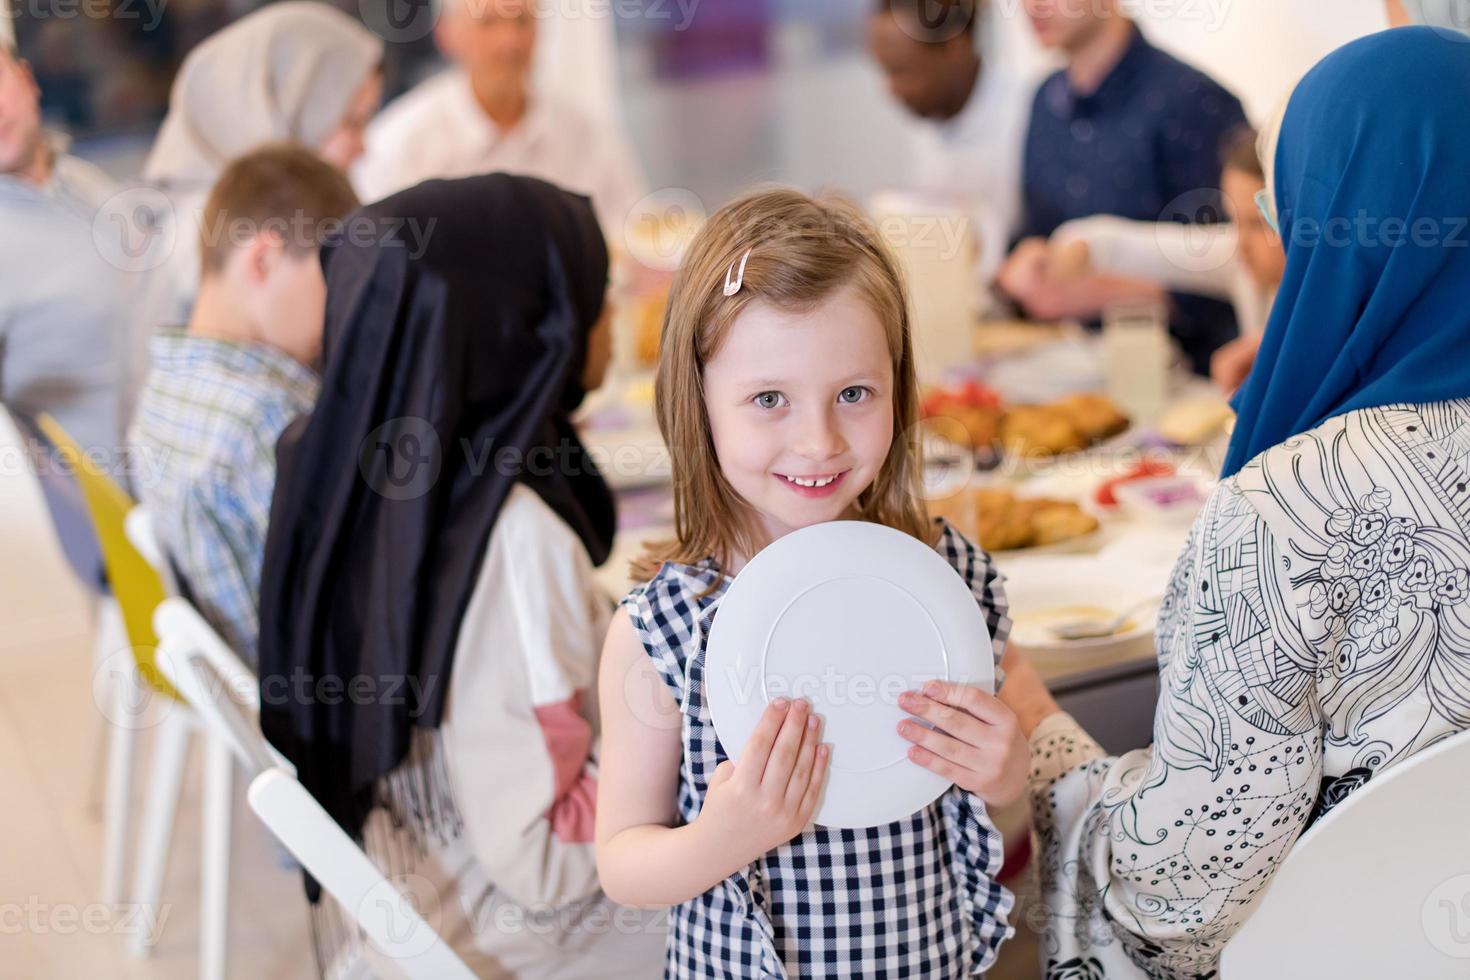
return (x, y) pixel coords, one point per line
(428, 619)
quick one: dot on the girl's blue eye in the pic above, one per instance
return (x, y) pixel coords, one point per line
(768, 399)
(853, 395)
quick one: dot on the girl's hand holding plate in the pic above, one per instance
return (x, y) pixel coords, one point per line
(769, 796)
(976, 741)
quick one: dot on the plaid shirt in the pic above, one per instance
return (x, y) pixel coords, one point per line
(206, 428)
(915, 898)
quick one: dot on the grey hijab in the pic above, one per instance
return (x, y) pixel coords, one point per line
(285, 72)
(1451, 14)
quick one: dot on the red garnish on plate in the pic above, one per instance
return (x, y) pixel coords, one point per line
(971, 394)
(1145, 469)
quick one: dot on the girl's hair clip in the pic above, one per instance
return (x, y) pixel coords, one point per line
(732, 285)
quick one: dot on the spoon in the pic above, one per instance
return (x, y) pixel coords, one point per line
(1096, 629)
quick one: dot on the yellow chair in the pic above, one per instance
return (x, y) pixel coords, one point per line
(136, 586)
(136, 570)
(139, 696)
(125, 644)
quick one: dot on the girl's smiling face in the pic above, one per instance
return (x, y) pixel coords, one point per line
(801, 409)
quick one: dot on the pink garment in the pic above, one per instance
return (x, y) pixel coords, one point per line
(569, 741)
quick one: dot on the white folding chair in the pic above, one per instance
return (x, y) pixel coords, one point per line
(110, 635)
(171, 743)
(207, 673)
(1379, 888)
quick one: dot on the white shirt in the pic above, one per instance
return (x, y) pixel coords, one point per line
(1198, 259)
(439, 130)
(974, 159)
(519, 745)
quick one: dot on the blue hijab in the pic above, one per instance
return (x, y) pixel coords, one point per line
(1372, 185)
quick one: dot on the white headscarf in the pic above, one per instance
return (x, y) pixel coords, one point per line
(1267, 139)
(286, 72)
(1452, 14)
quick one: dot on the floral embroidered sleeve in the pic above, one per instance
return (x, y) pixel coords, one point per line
(1151, 860)
(1312, 637)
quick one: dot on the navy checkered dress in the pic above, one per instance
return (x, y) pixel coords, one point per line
(916, 898)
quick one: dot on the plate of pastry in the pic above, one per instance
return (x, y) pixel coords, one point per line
(975, 415)
(1000, 521)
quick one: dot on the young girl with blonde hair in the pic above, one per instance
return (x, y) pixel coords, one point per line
(786, 394)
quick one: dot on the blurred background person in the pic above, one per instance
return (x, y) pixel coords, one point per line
(483, 115)
(222, 390)
(1240, 261)
(968, 69)
(299, 71)
(1128, 130)
(69, 337)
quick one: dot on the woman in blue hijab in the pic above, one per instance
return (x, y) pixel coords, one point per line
(1313, 635)
(1371, 193)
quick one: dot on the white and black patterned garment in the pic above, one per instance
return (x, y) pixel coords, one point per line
(1315, 633)
(914, 898)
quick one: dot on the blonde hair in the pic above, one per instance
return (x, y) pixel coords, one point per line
(802, 251)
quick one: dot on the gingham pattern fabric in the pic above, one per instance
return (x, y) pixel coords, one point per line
(916, 898)
(204, 455)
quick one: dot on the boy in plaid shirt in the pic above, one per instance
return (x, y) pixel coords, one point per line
(221, 391)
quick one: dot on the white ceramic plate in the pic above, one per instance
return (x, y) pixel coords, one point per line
(1046, 592)
(849, 615)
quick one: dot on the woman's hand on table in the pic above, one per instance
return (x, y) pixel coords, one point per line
(976, 740)
(1024, 692)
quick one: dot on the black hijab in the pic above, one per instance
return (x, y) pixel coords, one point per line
(456, 332)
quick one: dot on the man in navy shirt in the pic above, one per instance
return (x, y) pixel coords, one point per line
(1126, 130)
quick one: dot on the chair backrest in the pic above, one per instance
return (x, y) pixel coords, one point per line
(215, 682)
(386, 915)
(219, 687)
(135, 584)
(1380, 887)
(143, 535)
